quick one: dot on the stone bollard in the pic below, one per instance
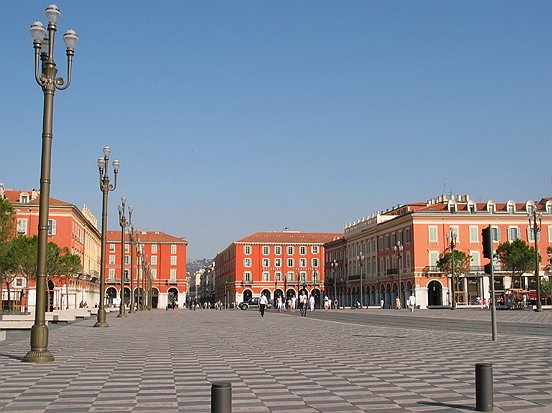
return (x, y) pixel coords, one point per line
(484, 387)
(221, 397)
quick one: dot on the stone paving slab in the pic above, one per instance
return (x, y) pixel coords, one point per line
(166, 360)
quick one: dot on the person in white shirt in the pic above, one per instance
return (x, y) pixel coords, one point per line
(263, 302)
(312, 302)
(411, 302)
(303, 301)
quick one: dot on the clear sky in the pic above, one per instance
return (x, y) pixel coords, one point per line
(231, 117)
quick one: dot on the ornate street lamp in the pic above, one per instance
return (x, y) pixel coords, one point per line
(49, 82)
(452, 275)
(398, 249)
(105, 187)
(535, 227)
(360, 259)
(334, 266)
(123, 223)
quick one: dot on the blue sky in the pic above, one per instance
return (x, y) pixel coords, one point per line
(231, 117)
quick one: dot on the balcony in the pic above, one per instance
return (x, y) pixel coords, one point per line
(171, 281)
(392, 271)
(246, 283)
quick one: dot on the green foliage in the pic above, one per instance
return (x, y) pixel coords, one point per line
(7, 221)
(461, 262)
(516, 256)
(546, 287)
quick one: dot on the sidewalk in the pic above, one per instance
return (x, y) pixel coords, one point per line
(165, 361)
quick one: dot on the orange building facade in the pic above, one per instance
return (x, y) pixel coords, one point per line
(271, 263)
(402, 245)
(67, 227)
(152, 255)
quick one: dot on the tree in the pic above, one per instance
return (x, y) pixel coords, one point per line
(462, 262)
(7, 232)
(517, 257)
(546, 287)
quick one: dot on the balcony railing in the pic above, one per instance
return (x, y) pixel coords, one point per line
(171, 281)
(392, 271)
(247, 282)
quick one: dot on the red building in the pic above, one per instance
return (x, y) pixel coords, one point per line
(271, 263)
(151, 254)
(67, 227)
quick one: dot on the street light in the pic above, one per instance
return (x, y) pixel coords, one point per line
(360, 259)
(398, 249)
(105, 187)
(123, 223)
(452, 275)
(536, 227)
(49, 82)
(131, 243)
(334, 265)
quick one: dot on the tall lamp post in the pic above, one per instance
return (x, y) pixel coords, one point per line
(452, 275)
(334, 265)
(398, 249)
(360, 259)
(131, 243)
(47, 79)
(123, 223)
(535, 222)
(105, 187)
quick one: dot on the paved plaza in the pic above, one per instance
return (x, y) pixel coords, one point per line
(335, 361)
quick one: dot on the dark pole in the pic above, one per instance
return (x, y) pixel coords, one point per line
(536, 229)
(123, 223)
(48, 81)
(453, 281)
(131, 243)
(105, 187)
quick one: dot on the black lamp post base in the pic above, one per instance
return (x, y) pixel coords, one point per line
(101, 319)
(38, 356)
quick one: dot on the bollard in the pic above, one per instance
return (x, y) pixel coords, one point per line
(221, 397)
(484, 387)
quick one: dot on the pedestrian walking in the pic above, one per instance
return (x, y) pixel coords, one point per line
(412, 302)
(263, 302)
(397, 303)
(382, 303)
(303, 301)
(312, 302)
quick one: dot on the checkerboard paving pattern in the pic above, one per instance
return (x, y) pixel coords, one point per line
(166, 360)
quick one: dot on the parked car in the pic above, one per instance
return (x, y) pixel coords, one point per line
(252, 302)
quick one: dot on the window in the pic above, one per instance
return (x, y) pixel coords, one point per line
(266, 276)
(290, 250)
(381, 243)
(153, 260)
(51, 227)
(24, 199)
(173, 248)
(247, 262)
(247, 276)
(531, 234)
(172, 274)
(247, 249)
(290, 276)
(126, 275)
(407, 236)
(18, 282)
(302, 262)
(475, 258)
(452, 207)
(513, 233)
(471, 207)
(302, 250)
(111, 274)
(432, 233)
(315, 249)
(549, 233)
(112, 259)
(315, 262)
(455, 232)
(408, 261)
(173, 259)
(277, 262)
(278, 276)
(22, 226)
(127, 259)
(154, 273)
(433, 257)
(154, 249)
(474, 234)
(266, 250)
(491, 207)
(111, 247)
(303, 277)
(511, 207)
(387, 241)
(290, 262)
(266, 262)
(548, 207)
(278, 250)
(495, 234)
(126, 248)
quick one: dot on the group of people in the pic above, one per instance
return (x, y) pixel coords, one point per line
(305, 303)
